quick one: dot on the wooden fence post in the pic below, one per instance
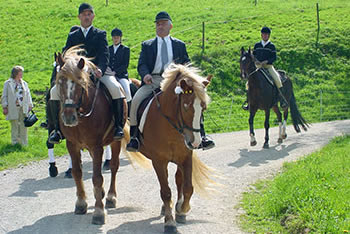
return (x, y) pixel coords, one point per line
(318, 25)
(106, 2)
(256, 2)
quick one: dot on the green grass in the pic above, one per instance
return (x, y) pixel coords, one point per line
(31, 31)
(311, 194)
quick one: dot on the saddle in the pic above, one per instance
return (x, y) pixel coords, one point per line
(144, 104)
(269, 78)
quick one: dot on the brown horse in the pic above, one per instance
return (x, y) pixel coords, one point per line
(262, 95)
(86, 121)
(171, 132)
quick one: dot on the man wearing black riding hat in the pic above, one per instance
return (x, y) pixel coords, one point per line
(119, 56)
(156, 55)
(265, 55)
(94, 41)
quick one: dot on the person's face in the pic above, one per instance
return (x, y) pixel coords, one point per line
(116, 40)
(265, 36)
(19, 75)
(86, 18)
(163, 27)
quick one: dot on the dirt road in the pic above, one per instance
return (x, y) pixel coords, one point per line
(32, 202)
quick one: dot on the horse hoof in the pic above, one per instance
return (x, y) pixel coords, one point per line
(162, 211)
(180, 218)
(284, 136)
(111, 203)
(170, 229)
(279, 140)
(81, 209)
(98, 219)
(53, 170)
(266, 146)
(253, 143)
(68, 173)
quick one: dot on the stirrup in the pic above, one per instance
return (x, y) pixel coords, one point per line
(59, 134)
(244, 106)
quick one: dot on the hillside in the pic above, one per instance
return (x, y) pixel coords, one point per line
(31, 31)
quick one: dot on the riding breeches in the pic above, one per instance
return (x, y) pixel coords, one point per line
(125, 83)
(276, 77)
(143, 92)
(110, 82)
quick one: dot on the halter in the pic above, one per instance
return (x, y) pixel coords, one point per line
(180, 126)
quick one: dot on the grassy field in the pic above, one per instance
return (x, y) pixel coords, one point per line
(31, 31)
(309, 196)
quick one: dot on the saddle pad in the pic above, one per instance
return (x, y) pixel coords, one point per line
(144, 116)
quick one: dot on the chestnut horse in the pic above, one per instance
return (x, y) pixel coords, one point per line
(171, 132)
(262, 95)
(86, 121)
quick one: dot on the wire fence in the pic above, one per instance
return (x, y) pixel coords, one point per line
(226, 113)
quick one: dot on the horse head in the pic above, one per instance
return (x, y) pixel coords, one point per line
(190, 89)
(246, 62)
(72, 82)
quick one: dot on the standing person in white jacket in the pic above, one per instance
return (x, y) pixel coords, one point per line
(16, 103)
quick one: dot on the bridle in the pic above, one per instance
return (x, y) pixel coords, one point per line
(254, 71)
(180, 126)
(78, 105)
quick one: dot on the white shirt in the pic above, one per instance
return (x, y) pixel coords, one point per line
(115, 47)
(158, 64)
(264, 43)
(85, 30)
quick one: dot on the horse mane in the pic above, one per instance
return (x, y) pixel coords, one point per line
(176, 72)
(70, 68)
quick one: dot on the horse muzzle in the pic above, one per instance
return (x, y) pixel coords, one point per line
(70, 117)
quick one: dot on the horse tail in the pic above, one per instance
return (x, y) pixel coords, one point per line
(133, 157)
(297, 119)
(202, 176)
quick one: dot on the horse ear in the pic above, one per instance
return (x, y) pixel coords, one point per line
(81, 63)
(60, 59)
(249, 50)
(242, 50)
(55, 55)
(186, 84)
(207, 81)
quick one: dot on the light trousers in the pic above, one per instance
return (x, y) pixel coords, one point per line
(18, 130)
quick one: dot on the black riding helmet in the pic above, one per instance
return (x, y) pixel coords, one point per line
(117, 32)
(266, 30)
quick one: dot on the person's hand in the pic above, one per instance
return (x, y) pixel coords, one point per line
(264, 62)
(98, 73)
(5, 111)
(257, 63)
(30, 109)
(147, 79)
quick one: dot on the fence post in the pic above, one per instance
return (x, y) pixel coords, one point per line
(321, 105)
(318, 25)
(256, 2)
(106, 2)
(203, 36)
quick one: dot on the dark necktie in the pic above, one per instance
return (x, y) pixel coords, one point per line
(164, 54)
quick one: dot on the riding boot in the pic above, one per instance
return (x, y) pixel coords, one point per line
(129, 107)
(206, 143)
(56, 135)
(134, 144)
(118, 112)
(283, 101)
(245, 105)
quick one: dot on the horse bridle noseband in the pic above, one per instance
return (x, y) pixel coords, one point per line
(180, 126)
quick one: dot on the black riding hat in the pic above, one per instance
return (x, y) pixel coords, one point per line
(266, 30)
(163, 15)
(116, 32)
(85, 6)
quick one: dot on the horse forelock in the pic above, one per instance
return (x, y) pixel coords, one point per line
(176, 72)
(71, 71)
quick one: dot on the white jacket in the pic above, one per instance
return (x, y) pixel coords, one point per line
(8, 99)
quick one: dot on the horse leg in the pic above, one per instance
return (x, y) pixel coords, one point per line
(279, 118)
(161, 170)
(186, 190)
(111, 200)
(251, 126)
(80, 204)
(284, 126)
(267, 126)
(98, 216)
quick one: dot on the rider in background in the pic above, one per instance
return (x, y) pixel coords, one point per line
(265, 55)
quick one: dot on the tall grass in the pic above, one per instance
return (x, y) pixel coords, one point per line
(311, 195)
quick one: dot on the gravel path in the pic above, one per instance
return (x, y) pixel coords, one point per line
(32, 202)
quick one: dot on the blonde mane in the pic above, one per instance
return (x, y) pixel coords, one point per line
(70, 68)
(177, 72)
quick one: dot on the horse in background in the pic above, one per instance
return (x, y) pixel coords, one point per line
(263, 95)
(86, 121)
(171, 132)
